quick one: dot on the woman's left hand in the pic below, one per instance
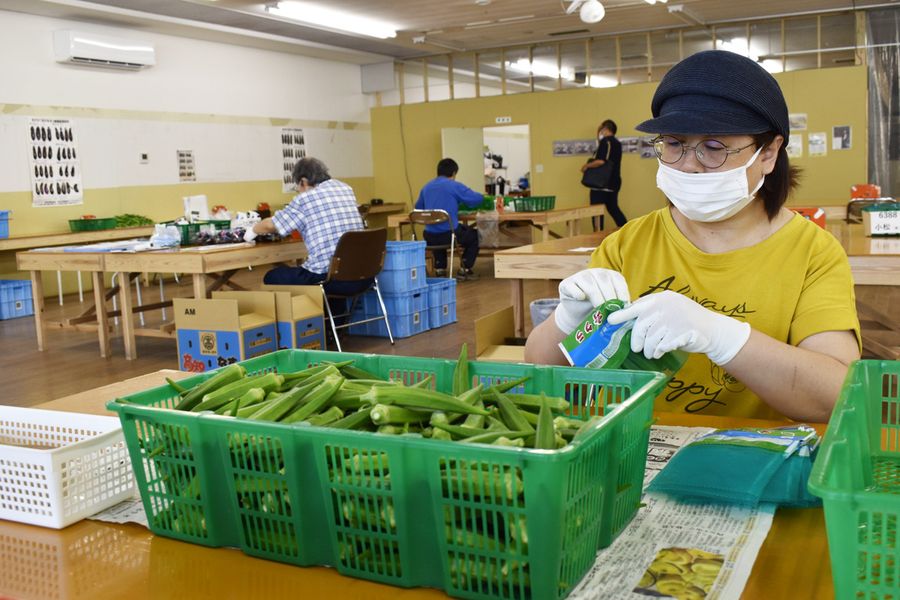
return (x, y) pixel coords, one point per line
(669, 321)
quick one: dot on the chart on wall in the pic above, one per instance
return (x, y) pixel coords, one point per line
(55, 168)
(293, 148)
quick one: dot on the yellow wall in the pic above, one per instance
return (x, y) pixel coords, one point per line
(406, 140)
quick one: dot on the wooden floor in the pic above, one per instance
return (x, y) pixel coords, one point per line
(73, 364)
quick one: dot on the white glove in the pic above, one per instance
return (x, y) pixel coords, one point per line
(250, 235)
(668, 321)
(581, 292)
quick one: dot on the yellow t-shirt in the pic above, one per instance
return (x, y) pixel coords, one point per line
(791, 285)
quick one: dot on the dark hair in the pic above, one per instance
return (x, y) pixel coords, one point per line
(781, 181)
(447, 167)
(609, 124)
(312, 170)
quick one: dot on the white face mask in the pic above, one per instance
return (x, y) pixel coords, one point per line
(708, 197)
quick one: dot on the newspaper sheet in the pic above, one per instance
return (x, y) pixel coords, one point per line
(674, 550)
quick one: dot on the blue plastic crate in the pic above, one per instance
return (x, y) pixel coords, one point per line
(4, 224)
(396, 281)
(441, 291)
(401, 303)
(441, 315)
(15, 299)
(403, 255)
(402, 326)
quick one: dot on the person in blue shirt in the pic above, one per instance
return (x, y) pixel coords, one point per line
(445, 193)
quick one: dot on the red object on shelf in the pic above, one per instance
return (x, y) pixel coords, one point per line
(813, 213)
(865, 190)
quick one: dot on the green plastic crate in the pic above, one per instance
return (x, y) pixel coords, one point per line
(317, 496)
(489, 203)
(189, 231)
(534, 203)
(76, 225)
(857, 475)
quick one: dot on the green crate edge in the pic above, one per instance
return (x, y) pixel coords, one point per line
(618, 508)
(845, 501)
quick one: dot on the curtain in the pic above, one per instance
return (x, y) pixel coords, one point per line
(883, 35)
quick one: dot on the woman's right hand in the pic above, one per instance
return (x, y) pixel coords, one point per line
(581, 292)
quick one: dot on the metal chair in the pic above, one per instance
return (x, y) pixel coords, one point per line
(358, 258)
(855, 206)
(364, 213)
(433, 217)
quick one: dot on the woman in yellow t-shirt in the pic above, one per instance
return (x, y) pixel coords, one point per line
(761, 298)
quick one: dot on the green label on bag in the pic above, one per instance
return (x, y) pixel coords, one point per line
(776, 439)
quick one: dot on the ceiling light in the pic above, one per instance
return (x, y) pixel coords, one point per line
(541, 69)
(329, 18)
(602, 81)
(591, 10)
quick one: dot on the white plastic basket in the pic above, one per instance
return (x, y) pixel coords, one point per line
(57, 468)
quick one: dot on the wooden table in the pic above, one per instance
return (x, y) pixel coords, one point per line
(539, 220)
(97, 560)
(200, 262)
(41, 240)
(873, 261)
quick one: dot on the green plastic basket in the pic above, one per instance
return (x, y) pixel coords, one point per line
(857, 475)
(76, 225)
(489, 203)
(476, 521)
(534, 203)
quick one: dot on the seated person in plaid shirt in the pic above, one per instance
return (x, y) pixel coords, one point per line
(323, 210)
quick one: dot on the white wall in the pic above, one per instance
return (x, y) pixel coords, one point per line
(512, 143)
(227, 103)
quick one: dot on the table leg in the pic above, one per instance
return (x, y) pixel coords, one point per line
(128, 316)
(199, 285)
(545, 233)
(517, 295)
(573, 227)
(37, 295)
(100, 306)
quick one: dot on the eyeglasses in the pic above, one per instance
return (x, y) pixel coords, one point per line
(710, 153)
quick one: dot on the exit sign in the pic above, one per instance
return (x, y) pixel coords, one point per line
(503, 120)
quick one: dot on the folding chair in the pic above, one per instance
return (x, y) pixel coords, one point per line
(358, 258)
(433, 217)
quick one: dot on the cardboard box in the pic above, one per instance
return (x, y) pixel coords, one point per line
(229, 327)
(493, 333)
(300, 316)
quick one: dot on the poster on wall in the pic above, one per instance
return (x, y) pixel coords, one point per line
(186, 171)
(794, 147)
(293, 148)
(54, 165)
(817, 144)
(574, 147)
(797, 121)
(840, 137)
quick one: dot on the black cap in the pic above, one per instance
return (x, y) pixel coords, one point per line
(717, 92)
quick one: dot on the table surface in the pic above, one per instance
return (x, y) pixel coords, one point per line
(873, 260)
(97, 560)
(67, 239)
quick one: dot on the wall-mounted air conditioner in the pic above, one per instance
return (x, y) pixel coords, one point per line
(96, 50)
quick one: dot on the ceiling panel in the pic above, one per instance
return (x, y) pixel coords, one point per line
(427, 27)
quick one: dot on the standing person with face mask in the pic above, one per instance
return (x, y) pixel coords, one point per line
(762, 298)
(609, 150)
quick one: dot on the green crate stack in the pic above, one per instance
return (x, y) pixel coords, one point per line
(534, 203)
(857, 475)
(401, 510)
(76, 225)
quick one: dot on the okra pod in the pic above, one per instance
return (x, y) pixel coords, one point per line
(511, 384)
(505, 441)
(316, 400)
(276, 409)
(471, 397)
(353, 420)
(386, 414)
(235, 389)
(178, 388)
(419, 398)
(326, 417)
(461, 381)
(488, 437)
(545, 434)
(509, 414)
(533, 402)
(225, 376)
(351, 372)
